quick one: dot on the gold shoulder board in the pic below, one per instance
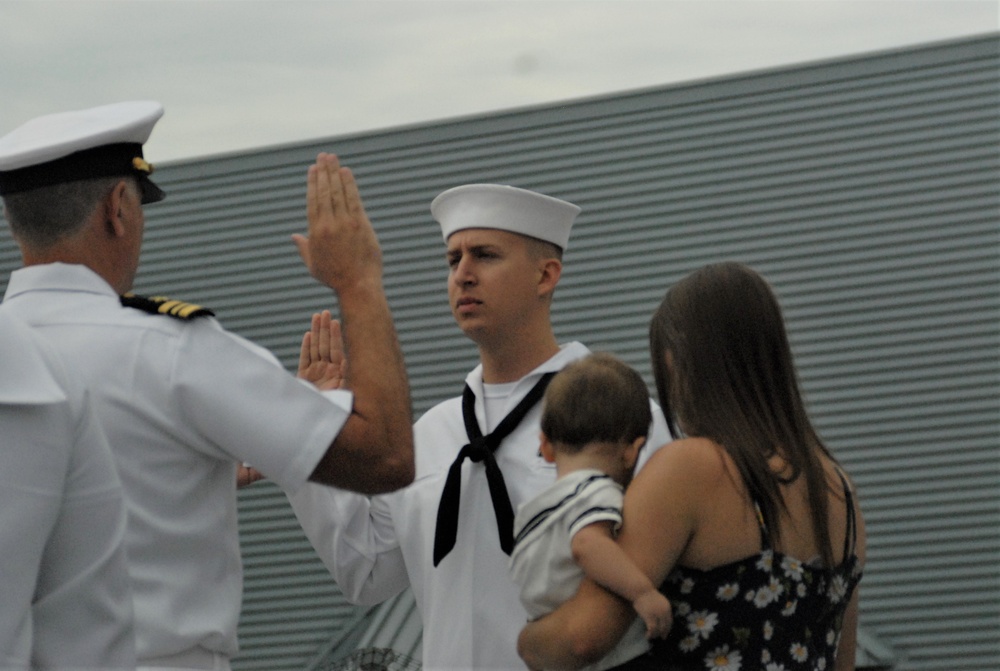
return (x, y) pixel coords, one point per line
(165, 306)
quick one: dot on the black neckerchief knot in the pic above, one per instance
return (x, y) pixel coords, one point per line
(480, 449)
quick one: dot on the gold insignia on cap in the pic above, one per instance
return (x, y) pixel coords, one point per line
(142, 165)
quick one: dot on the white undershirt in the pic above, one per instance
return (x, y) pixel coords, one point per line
(495, 403)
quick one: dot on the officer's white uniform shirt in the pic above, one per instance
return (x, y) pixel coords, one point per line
(182, 402)
(542, 563)
(66, 601)
(376, 547)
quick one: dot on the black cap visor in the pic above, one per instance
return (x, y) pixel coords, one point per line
(113, 160)
(150, 192)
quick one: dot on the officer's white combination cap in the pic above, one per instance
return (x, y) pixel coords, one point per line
(506, 208)
(103, 141)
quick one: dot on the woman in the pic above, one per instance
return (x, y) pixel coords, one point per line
(748, 523)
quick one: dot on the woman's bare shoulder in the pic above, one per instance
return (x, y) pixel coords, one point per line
(705, 456)
(691, 460)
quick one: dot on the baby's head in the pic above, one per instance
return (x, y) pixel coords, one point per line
(597, 407)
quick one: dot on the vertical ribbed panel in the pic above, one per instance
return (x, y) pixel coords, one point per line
(290, 603)
(866, 189)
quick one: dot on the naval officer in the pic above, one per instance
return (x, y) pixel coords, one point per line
(182, 400)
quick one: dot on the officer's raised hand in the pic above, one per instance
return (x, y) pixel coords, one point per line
(373, 453)
(341, 248)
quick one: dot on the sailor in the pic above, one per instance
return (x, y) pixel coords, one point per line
(449, 534)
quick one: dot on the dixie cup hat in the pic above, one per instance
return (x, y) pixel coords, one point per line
(505, 208)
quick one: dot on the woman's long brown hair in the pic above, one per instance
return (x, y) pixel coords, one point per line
(731, 379)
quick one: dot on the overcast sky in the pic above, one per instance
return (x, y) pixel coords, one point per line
(244, 74)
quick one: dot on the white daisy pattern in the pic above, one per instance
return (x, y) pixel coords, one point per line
(838, 589)
(728, 591)
(776, 587)
(792, 568)
(689, 643)
(767, 612)
(702, 623)
(763, 596)
(723, 659)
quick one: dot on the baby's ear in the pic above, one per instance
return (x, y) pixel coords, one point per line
(545, 449)
(630, 454)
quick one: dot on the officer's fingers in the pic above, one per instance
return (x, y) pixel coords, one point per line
(312, 203)
(336, 197)
(314, 200)
(354, 204)
(319, 203)
(302, 245)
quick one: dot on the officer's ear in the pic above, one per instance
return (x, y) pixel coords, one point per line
(113, 205)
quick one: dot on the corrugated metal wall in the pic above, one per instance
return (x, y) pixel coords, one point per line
(866, 189)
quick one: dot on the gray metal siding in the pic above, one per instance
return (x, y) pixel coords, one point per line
(866, 189)
(290, 604)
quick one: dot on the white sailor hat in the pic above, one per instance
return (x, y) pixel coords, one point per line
(506, 208)
(103, 141)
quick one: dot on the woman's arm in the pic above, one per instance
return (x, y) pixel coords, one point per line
(847, 648)
(578, 633)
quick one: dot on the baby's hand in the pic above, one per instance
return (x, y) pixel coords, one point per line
(655, 611)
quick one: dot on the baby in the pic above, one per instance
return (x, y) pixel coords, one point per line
(594, 422)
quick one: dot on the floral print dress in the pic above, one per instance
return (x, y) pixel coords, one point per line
(767, 612)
